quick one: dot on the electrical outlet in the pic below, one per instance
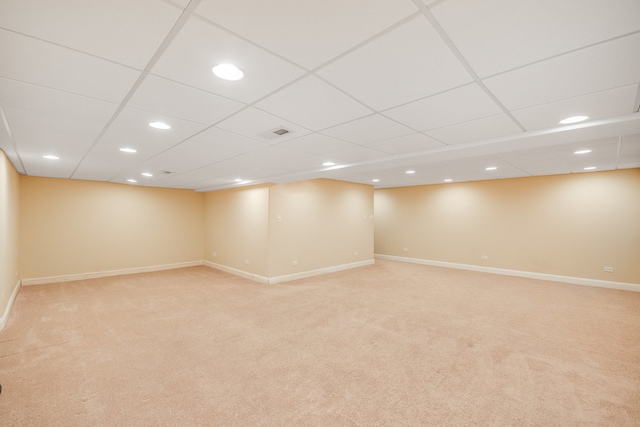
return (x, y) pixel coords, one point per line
(214, 254)
(355, 253)
(608, 269)
(294, 263)
(246, 261)
(485, 257)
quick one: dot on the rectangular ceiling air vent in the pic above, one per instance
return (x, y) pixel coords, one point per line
(275, 133)
(166, 172)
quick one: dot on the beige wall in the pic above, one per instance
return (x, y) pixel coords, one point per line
(569, 225)
(319, 223)
(237, 229)
(9, 196)
(71, 227)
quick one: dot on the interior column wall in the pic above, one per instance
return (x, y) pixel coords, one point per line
(319, 224)
(237, 229)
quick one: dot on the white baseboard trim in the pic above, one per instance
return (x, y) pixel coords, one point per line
(320, 271)
(288, 277)
(5, 316)
(99, 274)
(518, 273)
(237, 272)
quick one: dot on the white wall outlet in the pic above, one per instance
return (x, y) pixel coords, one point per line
(608, 269)
(485, 257)
(355, 253)
(278, 218)
(294, 262)
(214, 254)
(405, 249)
(246, 261)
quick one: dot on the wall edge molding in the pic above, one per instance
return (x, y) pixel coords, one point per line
(622, 286)
(320, 271)
(5, 316)
(237, 272)
(108, 273)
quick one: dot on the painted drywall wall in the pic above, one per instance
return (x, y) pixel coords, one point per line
(318, 224)
(73, 227)
(569, 225)
(9, 219)
(237, 229)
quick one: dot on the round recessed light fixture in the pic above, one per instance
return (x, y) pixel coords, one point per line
(448, 180)
(590, 168)
(146, 174)
(582, 152)
(375, 180)
(410, 172)
(51, 157)
(238, 180)
(128, 150)
(328, 164)
(160, 125)
(573, 119)
(228, 72)
(133, 181)
(491, 168)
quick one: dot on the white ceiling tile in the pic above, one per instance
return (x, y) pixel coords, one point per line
(313, 104)
(45, 64)
(476, 130)
(455, 106)
(369, 129)
(597, 105)
(629, 152)
(398, 67)
(39, 99)
(499, 35)
(605, 66)
(22, 120)
(228, 141)
(200, 46)
(406, 144)
(353, 155)
(128, 32)
(184, 157)
(253, 123)
(174, 99)
(316, 143)
(297, 29)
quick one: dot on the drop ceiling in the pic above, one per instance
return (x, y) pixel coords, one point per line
(446, 88)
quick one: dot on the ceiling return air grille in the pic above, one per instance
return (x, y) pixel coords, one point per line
(276, 133)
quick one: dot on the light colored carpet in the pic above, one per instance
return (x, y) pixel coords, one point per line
(389, 344)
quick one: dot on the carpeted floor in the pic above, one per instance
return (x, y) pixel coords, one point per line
(391, 344)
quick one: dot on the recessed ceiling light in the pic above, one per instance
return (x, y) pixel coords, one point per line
(448, 180)
(132, 180)
(491, 168)
(228, 72)
(146, 174)
(238, 180)
(128, 150)
(582, 152)
(160, 125)
(51, 157)
(328, 164)
(375, 180)
(574, 119)
(410, 172)
(590, 168)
